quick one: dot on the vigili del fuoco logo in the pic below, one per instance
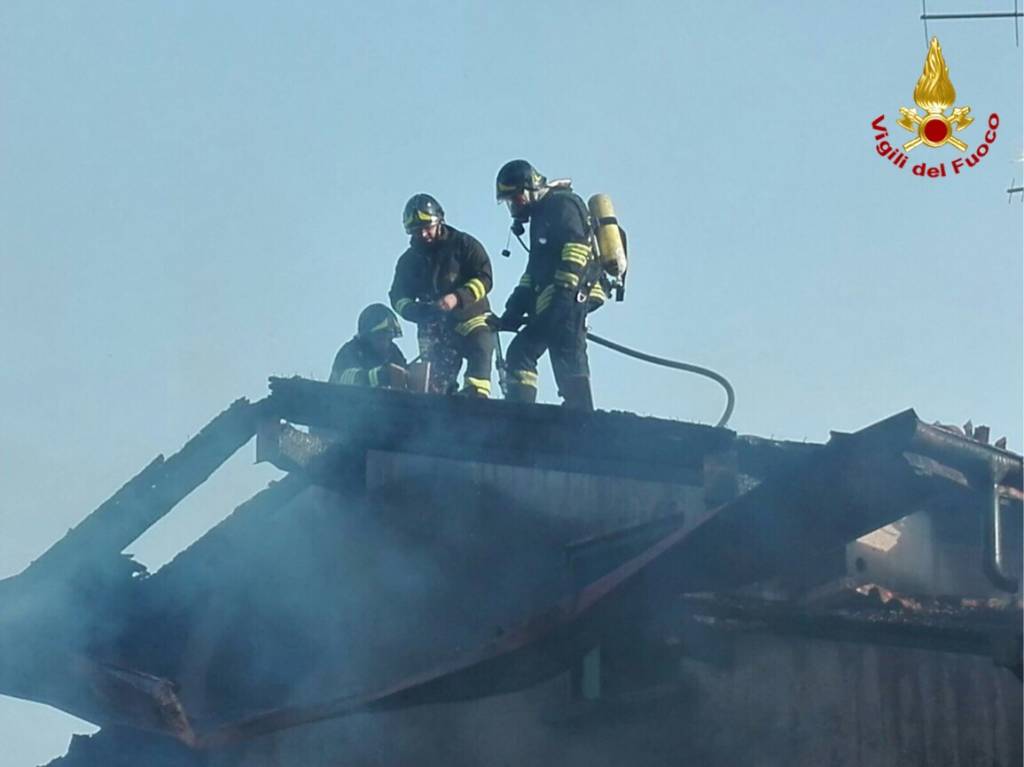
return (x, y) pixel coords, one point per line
(934, 93)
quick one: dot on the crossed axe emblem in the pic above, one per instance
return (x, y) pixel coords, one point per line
(934, 128)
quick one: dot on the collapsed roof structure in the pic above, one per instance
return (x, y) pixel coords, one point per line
(455, 581)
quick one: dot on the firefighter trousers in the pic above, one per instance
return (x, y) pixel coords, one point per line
(561, 331)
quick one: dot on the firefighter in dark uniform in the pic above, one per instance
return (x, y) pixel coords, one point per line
(561, 281)
(441, 283)
(371, 358)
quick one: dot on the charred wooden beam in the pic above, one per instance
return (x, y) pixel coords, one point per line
(965, 629)
(148, 496)
(205, 555)
(325, 458)
(128, 747)
(856, 484)
(288, 448)
(499, 431)
(45, 639)
(69, 598)
(99, 693)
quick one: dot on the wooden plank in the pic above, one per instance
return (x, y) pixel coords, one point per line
(150, 495)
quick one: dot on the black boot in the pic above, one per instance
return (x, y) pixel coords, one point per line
(518, 392)
(576, 394)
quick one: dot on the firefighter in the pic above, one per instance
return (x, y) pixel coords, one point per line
(560, 284)
(372, 358)
(441, 283)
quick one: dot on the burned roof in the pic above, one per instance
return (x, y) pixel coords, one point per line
(425, 549)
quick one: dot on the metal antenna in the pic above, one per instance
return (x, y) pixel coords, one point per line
(1014, 14)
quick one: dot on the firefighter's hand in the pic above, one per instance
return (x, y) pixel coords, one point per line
(396, 376)
(448, 302)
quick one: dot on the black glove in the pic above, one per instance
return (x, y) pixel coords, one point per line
(510, 320)
(421, 311)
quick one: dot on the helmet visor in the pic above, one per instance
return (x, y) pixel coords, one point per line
(505, 192)
(418, 220)
(386, 327)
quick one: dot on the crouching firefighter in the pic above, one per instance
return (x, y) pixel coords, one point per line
(441, 284)
(372, 358)
(561, 283)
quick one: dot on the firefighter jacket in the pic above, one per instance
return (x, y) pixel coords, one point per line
(358, 364)
(455, 263)
(561, 265)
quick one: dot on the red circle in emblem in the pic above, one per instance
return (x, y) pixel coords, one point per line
(936, 131)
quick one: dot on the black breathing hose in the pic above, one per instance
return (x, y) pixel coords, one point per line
(730, 395)
(719, 379)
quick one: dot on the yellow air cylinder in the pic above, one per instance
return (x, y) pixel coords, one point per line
(609, 239)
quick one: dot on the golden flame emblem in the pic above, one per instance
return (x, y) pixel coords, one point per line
(934, 93)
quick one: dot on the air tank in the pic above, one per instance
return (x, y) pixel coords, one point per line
(610, 246)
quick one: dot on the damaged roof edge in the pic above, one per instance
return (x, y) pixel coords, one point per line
(150, 495)
(497, 431)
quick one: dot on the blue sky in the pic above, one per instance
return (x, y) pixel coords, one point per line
(195, 196)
